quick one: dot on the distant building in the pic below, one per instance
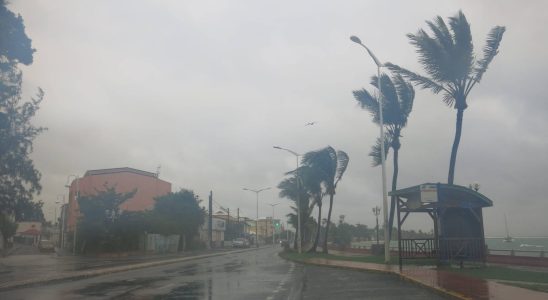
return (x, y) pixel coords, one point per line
(266, 228)
(217, 233)
(147, 185)
(28, 233)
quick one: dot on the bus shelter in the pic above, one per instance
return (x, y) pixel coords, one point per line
(456, 212)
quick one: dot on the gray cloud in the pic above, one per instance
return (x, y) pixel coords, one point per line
(207, 88)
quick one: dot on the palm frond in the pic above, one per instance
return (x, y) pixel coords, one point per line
(442, 33)
(406, 96)
(375, 152)
(368, 102)
(419, 80)
(432, 55)
(342, 164)
(462, 54)
(489, 52)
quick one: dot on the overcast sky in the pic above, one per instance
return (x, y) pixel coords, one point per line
(206, 88)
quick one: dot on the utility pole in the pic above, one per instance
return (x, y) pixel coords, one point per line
(228, 221)
(210, 221)
(238, 218)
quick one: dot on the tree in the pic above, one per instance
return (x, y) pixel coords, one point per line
(292, 189)
(179, 213)
(19, 179)
(99, 216)
(398, 96)
(449, 60)
(331, 165)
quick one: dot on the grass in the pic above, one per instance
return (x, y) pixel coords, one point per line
(531, 286)
(503, 273)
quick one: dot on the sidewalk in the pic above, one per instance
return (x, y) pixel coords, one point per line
(24, 270)
(456, 285)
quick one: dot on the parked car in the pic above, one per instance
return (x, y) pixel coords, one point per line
(240, 243)
(46, 246)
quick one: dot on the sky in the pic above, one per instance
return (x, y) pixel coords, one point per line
(204, 89)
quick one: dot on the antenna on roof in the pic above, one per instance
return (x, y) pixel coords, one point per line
(158, 171)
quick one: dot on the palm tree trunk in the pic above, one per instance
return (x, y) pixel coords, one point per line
(324, 250)
(295, 240)
(393, 199)
(455, 148)
(317, 238)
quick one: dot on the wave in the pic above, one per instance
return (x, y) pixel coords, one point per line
(535, 246)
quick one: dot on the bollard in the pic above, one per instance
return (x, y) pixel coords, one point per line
(512, 253)
(541, 253)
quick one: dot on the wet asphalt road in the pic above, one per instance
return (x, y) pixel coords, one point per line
(256, 274)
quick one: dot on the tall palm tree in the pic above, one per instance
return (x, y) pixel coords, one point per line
(449, 60)
(311, 180)
(291, 189)
(331, 164)
(398, 97)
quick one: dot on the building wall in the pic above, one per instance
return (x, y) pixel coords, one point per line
(147, 188)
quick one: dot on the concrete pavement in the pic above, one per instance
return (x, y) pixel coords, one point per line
(451, 284)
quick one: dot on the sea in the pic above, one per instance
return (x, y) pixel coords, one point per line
(522, 246)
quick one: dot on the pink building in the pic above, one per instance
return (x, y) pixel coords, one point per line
(125, 180)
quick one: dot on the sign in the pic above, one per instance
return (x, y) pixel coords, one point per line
(429, 193)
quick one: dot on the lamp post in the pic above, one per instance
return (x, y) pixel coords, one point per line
(376, 212)
(299, 241)
(62, 222)
(75, 199)
(356, 40)
(257, 220)
(273, 228)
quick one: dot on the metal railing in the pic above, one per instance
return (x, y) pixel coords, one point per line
(418, 248)
(513, 252)
(461, 249)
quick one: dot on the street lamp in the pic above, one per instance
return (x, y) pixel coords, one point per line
(273, 229)
(298, 196)
(75, 199)
(257, 220)
(356, 40)
(62, 222)
(376, 212)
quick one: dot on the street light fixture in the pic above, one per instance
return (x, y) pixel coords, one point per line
(257, 220)
(299, 243)
(377, 212)
(273, 228)
(356, 40)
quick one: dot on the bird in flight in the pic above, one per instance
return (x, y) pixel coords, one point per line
(310, 123)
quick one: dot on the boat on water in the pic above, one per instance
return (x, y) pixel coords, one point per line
(508, 238)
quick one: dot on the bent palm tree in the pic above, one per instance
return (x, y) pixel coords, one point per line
(311, 181)
(331, 165)
(291, 189)
(449, 60)
(398, 98)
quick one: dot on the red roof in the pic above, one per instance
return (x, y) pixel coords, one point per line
(31, 231)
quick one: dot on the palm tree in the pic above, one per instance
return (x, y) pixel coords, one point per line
(449, 60)
(331, 165)
(311, 180)
(289, 188)
(398, 97)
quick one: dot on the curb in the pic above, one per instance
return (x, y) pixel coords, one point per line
(453, 294)
(92, 273)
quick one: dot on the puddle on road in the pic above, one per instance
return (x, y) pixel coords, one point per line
(103, 288)
(186, 270)
(190, 290)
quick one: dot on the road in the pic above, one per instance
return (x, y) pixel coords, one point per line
(255, 274)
